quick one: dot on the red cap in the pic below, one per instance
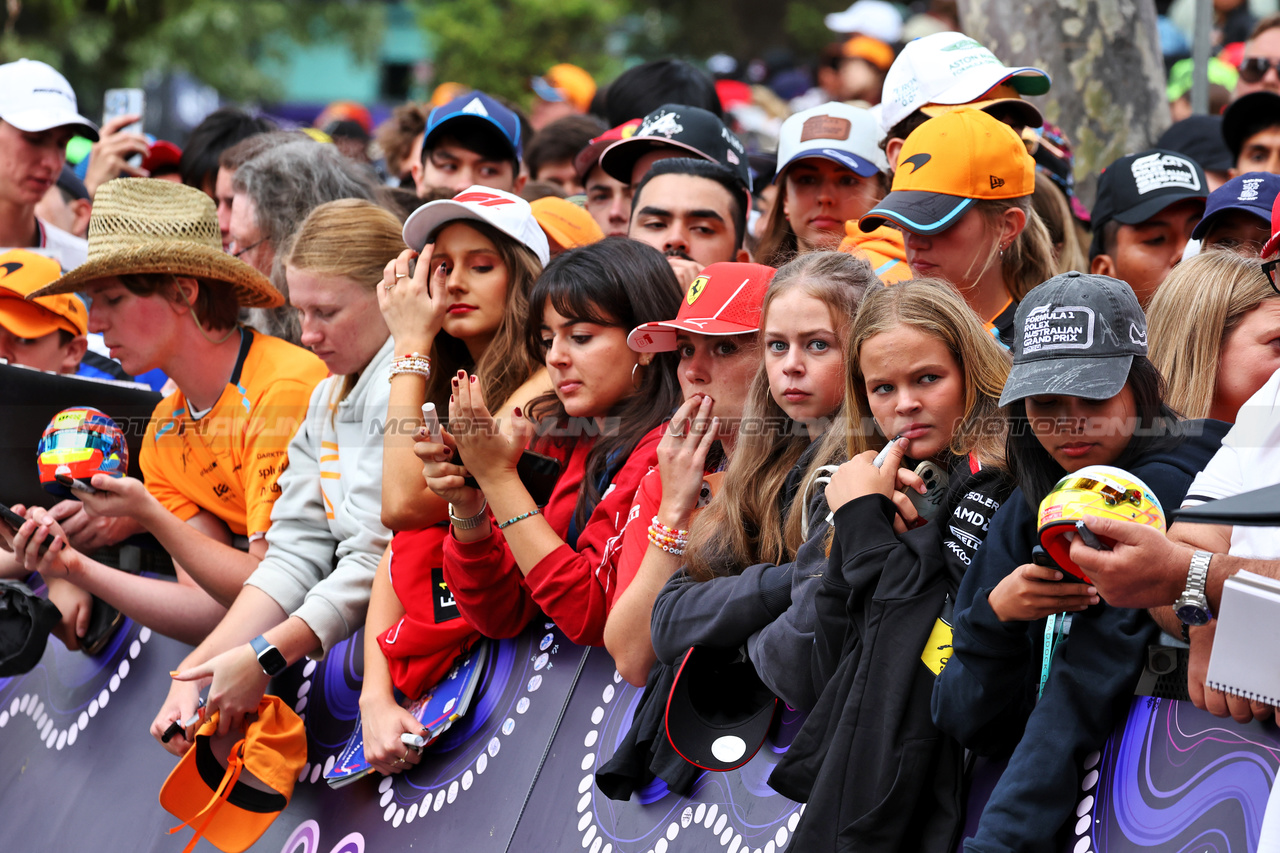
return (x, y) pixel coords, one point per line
(588, 157)
(161, 154)
(1269, 249)
(724, 299)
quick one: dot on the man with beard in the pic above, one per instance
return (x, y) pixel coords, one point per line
(693, 211)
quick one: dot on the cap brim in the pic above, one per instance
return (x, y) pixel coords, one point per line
(916, 211)
(1088, 378)
(1026, 110)
(28, 320)
(852, 162)
(35, 121)
(718, 745)
(1269, 248)
(252, 288)
(1203, 226)
(426, 220)
(619, 159)
(1149, 208)
(660, 336)
(186, 792)
(546, 91)
(487, 122)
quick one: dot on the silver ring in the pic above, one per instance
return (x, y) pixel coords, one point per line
(675, 434)
(401, 275)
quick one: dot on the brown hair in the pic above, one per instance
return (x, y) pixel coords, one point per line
(395, 135)
(506, 363)
(779, 244)
(1051, 205)
(744, 524)
(349, 238)
(1191, 316)
(215, 305)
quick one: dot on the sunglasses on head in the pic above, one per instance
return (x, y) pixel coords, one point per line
(1254, 68)
(1269, 269)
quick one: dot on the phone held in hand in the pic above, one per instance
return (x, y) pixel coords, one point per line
(125, 102)
(935, 481)
(15, 521)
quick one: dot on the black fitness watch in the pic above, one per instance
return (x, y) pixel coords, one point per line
(269, 657)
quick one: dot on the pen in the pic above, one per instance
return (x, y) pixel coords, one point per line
(880, 457)
(179, 726)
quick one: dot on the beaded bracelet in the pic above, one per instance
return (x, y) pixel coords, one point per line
(415, 363)
(654, 524)
(502, 525)
(675, 547)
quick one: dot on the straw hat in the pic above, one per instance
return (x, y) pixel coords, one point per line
(146, 225)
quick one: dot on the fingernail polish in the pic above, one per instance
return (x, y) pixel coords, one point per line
(516, 412)
(173, 673)
(473, 379)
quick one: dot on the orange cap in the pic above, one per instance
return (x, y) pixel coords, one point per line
(948, 163)
(872, 50)
(446, 92)
(566, 224)
(231, 799)
(1002, 94)
(23, 272)
(565, 82)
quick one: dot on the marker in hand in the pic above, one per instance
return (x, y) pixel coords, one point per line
(884, 452)
(177, 727)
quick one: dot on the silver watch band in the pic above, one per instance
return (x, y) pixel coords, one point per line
(470, 523)
(1198, 574)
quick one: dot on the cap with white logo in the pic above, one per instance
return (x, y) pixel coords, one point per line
(35, 97)
(1076, 336)
(478, 109)
(837, 132)
(1252, 192)
(683, 128)
(951, 69)
(1137, 187)
(509, 213)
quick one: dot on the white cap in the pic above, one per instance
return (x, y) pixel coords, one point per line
(838, 132)
(874, 18)
(949, 68)
(509, 213)
(35, 97)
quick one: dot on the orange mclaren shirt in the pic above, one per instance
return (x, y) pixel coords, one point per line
(227, 460)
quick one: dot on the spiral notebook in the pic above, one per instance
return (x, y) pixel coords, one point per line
(1242, 661)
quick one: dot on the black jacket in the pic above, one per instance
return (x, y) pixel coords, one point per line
(876, 773)
(986, 696)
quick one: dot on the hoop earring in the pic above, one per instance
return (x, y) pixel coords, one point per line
(635, 383)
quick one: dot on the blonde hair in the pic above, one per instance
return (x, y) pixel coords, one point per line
(1028, 260)
(351, 238)
(745, 524)
(1190, 318)
(1055, 211)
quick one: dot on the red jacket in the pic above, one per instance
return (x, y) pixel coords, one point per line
(574, 588)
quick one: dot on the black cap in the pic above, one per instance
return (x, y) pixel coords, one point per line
(1246, 116)
(1201, 139)
(1138, 186)
(1076, 335)
(719, 710)
(691, 129)
(25, 622)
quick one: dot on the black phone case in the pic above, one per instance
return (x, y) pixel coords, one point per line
(15, 521)
(538, 472)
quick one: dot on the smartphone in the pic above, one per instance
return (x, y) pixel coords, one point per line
(122, 102)
(538, 474)
(935, 481)
(1090, 538)
(16, 521)
(75, 485)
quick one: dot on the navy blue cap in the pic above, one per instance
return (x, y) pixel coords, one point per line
(1252, 192)
(477, 107)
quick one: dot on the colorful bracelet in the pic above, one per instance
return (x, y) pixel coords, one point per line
(415, 363)
(673, 540)
(675, 548)
(654, 524)
(502, 525)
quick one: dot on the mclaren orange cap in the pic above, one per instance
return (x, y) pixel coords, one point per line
(231, 798)
(948, 163)
(23, 272)
(564, 223)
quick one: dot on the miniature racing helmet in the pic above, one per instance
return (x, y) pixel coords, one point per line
(1095, 490)
(80, 442)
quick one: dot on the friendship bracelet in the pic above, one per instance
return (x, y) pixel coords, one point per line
(675, 549)
(659, 536)
(670, 531)
(415, 363)
(502, 525)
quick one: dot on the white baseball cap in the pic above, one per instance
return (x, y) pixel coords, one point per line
(844, 134)
(874, 18)
(35, 97)
(951, 69)
(509, 213)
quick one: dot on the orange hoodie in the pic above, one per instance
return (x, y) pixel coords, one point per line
(883, 247)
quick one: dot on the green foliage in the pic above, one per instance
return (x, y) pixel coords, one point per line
(99, 45)
(497, 45)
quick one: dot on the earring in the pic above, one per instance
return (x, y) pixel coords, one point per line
(635, 381)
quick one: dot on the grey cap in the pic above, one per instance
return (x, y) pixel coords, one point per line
(1076, 335)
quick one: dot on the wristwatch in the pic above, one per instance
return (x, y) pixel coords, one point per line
(470, 523)
(269, 657)
(1192, 607)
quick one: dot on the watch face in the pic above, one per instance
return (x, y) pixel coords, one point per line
(272, 661)
(1192, 614)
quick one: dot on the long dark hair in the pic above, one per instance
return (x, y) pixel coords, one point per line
(1036, 472)
(615, 282)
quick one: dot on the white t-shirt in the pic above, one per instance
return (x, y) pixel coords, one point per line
(1248, 459)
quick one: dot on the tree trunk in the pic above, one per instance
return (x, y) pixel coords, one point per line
(1104, 58)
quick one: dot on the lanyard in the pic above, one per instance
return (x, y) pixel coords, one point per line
(1056, 628)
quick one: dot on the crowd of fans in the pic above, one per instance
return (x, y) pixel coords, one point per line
(804, 398)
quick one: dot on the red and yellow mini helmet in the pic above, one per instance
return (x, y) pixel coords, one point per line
(1095, 490)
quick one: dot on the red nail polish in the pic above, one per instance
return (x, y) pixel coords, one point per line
(473, 379)
(451, 396)
(516, 412)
